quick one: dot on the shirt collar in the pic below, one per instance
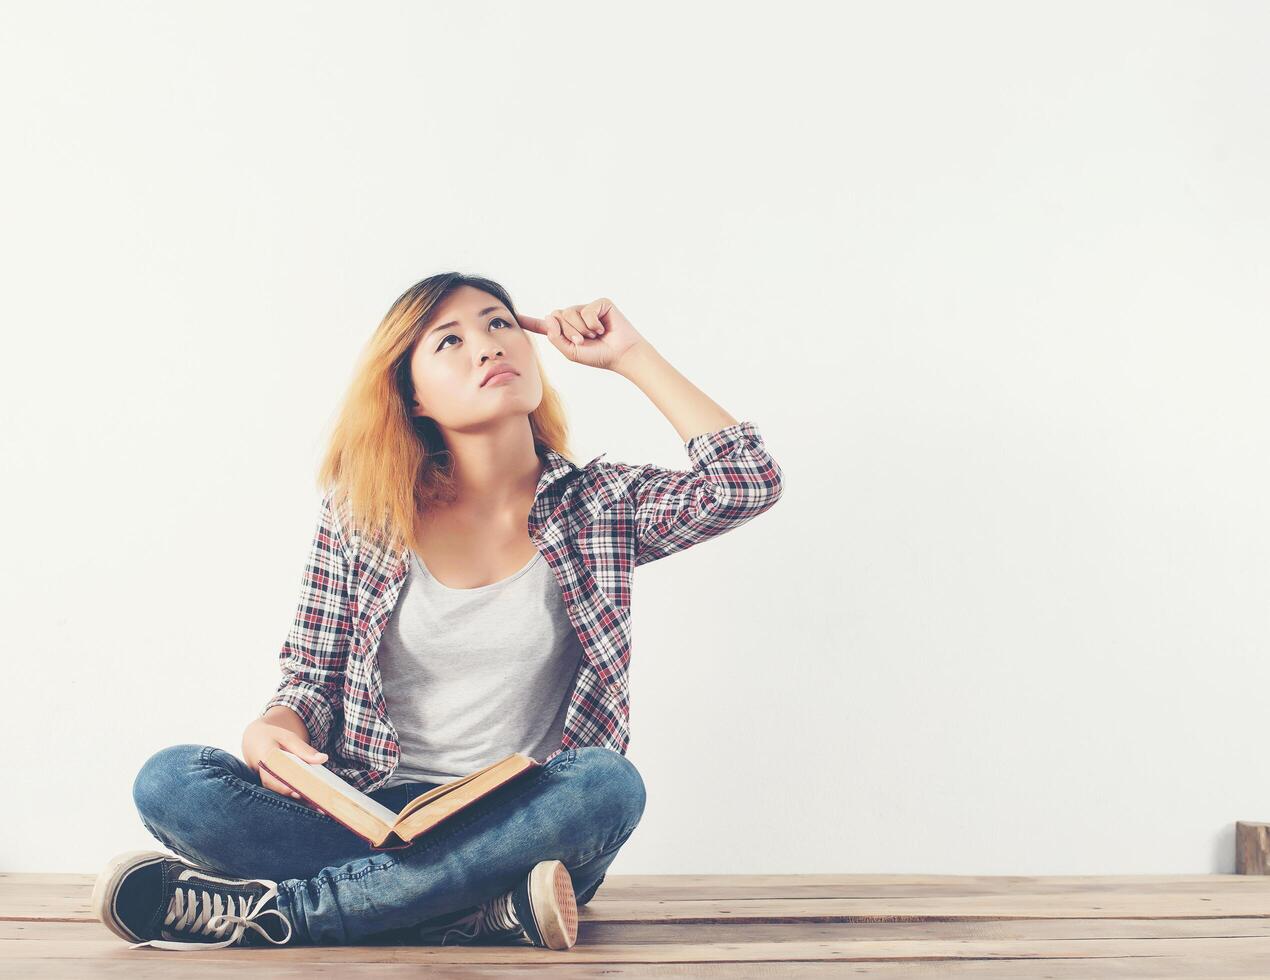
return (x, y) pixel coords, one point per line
(555, 467)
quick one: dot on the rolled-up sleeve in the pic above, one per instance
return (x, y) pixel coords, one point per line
(733, 479)
(315, 653)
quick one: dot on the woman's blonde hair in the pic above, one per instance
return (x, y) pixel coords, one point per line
(385, 466)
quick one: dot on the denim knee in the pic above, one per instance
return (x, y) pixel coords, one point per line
(618, 786)
(160, 779)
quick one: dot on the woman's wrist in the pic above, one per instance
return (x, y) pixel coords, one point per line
(634, 359)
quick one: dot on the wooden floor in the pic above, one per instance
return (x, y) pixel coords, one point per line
(1210, 926)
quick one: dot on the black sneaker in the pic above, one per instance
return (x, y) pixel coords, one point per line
(154, 899)
(539, 911)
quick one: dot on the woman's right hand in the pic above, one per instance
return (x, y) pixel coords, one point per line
(261, 738)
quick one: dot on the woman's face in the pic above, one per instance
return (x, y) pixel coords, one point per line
(470, 333)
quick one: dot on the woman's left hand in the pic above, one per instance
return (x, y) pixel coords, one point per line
(595, 334)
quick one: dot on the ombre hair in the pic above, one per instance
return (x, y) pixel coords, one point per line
(385, 466)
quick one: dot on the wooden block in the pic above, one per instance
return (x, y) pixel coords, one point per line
(1252, 848)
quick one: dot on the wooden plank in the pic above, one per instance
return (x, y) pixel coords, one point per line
(664, 883)
(66, 897)
(15, 955)
(734, 932)
(773, 931)
(1146, 969)
(1081, 906)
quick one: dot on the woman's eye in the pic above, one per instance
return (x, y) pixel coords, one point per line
(497, 319)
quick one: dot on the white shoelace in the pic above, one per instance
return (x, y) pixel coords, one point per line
(195, 910)
(498, 915)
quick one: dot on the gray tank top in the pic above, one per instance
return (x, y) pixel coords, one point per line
(472, 675)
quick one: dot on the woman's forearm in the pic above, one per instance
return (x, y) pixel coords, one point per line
(284, 717)
(689, 409)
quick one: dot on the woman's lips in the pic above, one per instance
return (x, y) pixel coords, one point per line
(500, 376)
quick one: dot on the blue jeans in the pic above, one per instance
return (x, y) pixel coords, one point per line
(208, 806)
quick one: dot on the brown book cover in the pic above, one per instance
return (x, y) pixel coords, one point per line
(371, 820)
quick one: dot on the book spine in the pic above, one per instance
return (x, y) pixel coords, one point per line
(386, 846)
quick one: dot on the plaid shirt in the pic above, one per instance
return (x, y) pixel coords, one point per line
(592, 523)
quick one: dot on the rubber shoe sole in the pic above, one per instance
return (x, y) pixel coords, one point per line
(552, 911)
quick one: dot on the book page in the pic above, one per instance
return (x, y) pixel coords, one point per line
(504, 770)
(423, 799)
(345, 789)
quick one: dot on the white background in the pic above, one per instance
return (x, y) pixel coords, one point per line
(991, 278)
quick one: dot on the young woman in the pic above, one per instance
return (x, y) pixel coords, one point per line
(467, 595)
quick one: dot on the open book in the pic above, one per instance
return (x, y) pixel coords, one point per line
(364, 816)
